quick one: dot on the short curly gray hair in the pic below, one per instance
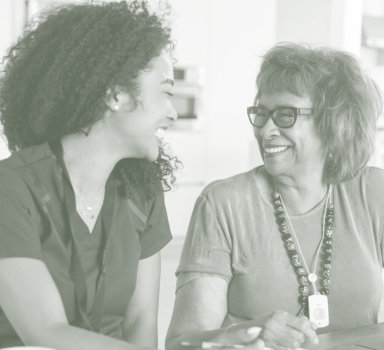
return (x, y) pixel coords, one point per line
(346, 101)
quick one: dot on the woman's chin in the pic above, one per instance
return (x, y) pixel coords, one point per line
(152, 155)
(274, 169)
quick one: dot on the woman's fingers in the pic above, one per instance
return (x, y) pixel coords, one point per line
(306, 327)
(276, 333)
(282, 331)
(286, 331)
(256, 345)
(246, 338)
(239, 336)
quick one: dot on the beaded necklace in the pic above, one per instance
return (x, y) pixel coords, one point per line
(303, 273)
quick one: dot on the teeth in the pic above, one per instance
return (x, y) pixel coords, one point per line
(275, 149)
(159, 133)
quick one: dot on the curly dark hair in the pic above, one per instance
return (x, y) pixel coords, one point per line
(57, 75)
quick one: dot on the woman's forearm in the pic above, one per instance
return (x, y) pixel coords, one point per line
(193, 337)
(142, 333)
(67, 337)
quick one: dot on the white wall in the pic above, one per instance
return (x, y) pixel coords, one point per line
(335, 23)
(12, 18)
(304, 21)
(225, 40)
(11, 22)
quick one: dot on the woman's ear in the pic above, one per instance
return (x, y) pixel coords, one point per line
(111, 100)
(117, 99)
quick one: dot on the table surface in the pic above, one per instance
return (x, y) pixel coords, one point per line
(363, 338)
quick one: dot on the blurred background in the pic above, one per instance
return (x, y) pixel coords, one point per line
(219, 44)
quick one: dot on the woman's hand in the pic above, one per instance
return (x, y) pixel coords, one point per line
(243, 336)
(284, 331)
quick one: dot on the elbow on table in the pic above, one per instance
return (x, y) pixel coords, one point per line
(42, 335)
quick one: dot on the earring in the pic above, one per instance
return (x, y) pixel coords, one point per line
(115, 107)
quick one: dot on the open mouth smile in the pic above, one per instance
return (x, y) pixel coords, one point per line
(159, 133)
(275, 150)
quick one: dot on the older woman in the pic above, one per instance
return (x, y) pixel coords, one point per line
(84, 100)
(296, 244)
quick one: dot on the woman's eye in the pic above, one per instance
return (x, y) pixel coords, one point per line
(169, 93)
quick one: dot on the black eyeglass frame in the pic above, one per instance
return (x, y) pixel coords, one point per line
(296, 112)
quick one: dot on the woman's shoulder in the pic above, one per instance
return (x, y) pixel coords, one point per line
(367, 185)
(373, 180)
(374, 173)
(26, 157)
(142, 202)
(15, 170)
(230, 187)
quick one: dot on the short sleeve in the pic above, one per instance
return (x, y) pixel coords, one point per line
(207, 245)
(374, 185)
(18, 235)
(157, 232)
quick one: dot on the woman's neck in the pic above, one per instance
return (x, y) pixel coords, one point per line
(300, 194)
(88, 162)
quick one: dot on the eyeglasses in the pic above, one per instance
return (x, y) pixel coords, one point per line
(283, 117)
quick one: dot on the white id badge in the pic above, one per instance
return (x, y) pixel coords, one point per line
(318, 309)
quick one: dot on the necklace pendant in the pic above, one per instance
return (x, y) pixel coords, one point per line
(318, 309)
(312, 277)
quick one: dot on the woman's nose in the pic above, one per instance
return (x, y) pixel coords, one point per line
(269, 130)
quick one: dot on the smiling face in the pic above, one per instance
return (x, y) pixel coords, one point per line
(138, 129)
(294, 151)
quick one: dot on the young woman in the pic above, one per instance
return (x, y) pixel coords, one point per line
(84, 100)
